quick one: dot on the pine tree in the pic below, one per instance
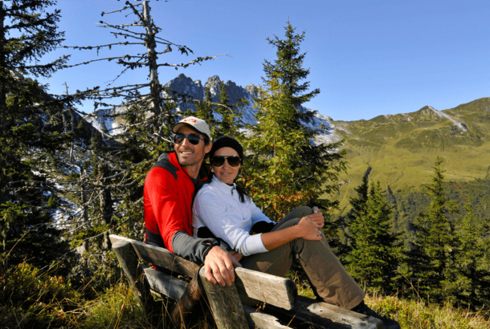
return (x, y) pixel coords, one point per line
(144, 121)
(375, 250)
(229, 124)
(29, 137)
(287, 168)
(205, 109)
(433, 253)
(224, 118)
(473, 280)
(359, 203)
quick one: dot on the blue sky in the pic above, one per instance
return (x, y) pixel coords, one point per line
(367, 57)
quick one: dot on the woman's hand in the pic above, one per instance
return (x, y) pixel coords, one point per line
(317, 218)
(236, 255)
(309, 230)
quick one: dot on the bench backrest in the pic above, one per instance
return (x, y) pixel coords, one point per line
(274, 290)
(160, 257)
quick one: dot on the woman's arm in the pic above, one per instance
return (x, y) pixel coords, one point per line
(305, 229)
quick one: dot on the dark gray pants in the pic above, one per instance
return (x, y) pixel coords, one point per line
(327, 275)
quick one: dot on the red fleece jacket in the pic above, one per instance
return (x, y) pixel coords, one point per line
(168, 195)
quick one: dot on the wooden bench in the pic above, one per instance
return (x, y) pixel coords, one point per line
(283, 306)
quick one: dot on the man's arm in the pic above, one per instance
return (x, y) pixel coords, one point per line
(218, 262)
(169, 212)
(219, 266)
(171, 218)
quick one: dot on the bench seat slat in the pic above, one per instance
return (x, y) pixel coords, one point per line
(165, 284)
(309, 310)
(272, 289)
(161, 257)
(262, 320)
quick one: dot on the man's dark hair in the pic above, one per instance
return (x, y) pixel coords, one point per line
(206, 139)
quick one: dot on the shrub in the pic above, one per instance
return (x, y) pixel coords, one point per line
(31, 299)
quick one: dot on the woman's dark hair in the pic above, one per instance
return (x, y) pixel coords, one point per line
(242, 193)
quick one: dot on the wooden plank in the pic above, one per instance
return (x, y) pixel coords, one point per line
(130, 265)
(272, 289)
(161, 257)
(188, 303)
(341, 315)
(309, 311)
(225, 304)
(129, 262)
(165, 284)
(261, 320)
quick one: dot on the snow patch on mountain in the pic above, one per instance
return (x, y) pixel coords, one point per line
(103, 120)
(184, 85)
(457, 124)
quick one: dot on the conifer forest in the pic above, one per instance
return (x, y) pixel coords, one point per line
(65, 185)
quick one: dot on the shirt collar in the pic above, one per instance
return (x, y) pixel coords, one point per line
(224, 185)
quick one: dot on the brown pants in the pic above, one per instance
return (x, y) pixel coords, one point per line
(327, 275)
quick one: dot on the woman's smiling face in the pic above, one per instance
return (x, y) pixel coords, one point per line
(226, 173)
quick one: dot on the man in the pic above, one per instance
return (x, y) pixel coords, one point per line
(169, 189)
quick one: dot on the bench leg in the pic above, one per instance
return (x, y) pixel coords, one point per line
(128, 259)
(225, 304)
(187, 302)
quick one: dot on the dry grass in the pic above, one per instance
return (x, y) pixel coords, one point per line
(412, 314)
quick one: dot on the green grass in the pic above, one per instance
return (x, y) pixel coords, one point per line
(402, 153)
(412, 314)
(30, 299)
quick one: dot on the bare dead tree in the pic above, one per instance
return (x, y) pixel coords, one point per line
(104, 172)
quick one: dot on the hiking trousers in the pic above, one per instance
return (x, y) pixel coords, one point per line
(328, 276)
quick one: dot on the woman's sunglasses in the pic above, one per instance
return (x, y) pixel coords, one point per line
(192, 138)
(219, 160)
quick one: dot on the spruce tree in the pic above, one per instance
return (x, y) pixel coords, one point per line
(359, 203)
(229, 123)
(433, 253)
(30, 122)
(286, 167)
(144, 112)
(205, 109)
(375, 250)
(473, 280)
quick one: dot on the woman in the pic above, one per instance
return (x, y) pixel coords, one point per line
(230, 215)
(223, 210)
(237, 213)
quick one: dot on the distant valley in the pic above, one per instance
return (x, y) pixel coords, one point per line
(401, 149)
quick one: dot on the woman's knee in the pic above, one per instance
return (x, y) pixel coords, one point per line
(301, 212)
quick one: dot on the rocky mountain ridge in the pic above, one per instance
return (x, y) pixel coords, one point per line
(400, 148)
(194, 89)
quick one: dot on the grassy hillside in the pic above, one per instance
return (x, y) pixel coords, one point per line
(402, 148)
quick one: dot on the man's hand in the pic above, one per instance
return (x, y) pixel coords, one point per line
(219, 266)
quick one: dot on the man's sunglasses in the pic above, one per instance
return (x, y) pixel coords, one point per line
(192, 138)
(219, 160)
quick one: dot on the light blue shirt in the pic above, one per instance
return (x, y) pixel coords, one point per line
(218, 207)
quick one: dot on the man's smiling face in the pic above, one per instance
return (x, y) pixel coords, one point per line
(190, 155)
